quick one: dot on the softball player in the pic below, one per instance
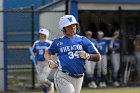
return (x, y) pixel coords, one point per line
(102, 65)
(90, 66)
(39, 48)
(115, 56)
(72, 51)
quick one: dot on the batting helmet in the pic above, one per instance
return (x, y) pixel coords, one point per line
(67, 20)
(88, 32)
(100, 33)
(44, 32)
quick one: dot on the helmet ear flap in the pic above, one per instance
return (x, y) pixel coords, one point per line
(77, 28)
(63, 30)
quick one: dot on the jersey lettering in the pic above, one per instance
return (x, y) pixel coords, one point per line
(70, 48)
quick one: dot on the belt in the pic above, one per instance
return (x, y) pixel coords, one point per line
(73, 75)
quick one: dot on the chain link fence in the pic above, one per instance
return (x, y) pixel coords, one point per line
(21, 30)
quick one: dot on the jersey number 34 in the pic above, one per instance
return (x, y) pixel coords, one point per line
(73, 55)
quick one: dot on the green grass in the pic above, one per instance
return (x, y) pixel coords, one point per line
(114, 90)
(110, 90)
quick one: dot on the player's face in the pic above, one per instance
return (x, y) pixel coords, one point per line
(117, 35)
(100, 36)
(42, 36)
(70, 30)
(89, 35)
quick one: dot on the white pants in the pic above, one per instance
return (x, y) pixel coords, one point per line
(102, 66)
(115, 60)
(67, 84)
(90, 67)
(44, 72)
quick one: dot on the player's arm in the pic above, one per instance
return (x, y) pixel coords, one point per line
(91, 53)
(111, 48)
(48, 56)
(111, 45)
(95, 57)
(91, 57)
(33, 50)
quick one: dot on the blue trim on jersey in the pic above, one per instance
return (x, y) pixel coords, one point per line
(67, 51)
(39, 49)
(94, 41)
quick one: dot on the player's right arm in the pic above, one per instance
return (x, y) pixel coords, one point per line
(48, 56)
(52, 63)
(111, 48)
(34, 50)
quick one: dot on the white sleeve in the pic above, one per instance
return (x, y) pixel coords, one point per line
(34, 44)
(111, 43)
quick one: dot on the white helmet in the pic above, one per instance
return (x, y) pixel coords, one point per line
(44, 31)
(100, 33)
(89, 32)
(67, 20)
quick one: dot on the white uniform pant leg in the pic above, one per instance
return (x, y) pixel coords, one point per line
(115, 60)
(90, 67)
(99, 69)
(44, 71)
(104, 64)
(67, 84)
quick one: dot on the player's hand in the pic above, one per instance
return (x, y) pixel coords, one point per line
(52, 64)
(84, 55)
(31, 57)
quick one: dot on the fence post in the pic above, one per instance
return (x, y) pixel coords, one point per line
(67, 7)
(32, 22)
(121, 43)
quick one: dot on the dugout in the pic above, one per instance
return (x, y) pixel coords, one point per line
(109, 17)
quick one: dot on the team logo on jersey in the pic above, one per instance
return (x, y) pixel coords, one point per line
(70, 19)
(60, 43)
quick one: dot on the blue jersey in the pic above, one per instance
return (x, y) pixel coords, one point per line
(67, 52)
(115, 44)
(94, 42)
(39, 49)
(103, 46)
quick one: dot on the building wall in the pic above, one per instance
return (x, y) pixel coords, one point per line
(50, 20)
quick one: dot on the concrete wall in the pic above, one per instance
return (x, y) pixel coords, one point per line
(50, 20)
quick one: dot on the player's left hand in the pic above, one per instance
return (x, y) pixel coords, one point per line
(52, 64)
(84, 55)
